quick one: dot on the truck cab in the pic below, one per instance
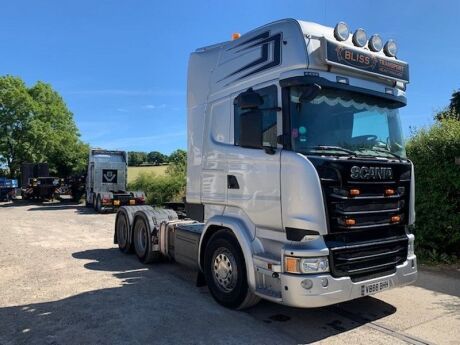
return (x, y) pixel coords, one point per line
(296, 168)
(106, 181)
(294, 134)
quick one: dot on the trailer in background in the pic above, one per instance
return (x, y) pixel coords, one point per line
(8, 189)
(106, 181)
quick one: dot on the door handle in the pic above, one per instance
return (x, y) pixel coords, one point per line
(232, 182)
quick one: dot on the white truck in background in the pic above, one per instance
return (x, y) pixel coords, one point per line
(106, 181)
(298, 187)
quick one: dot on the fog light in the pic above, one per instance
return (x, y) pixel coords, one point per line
(375, 43)
(359, 38)
(307, 284)
(341, 31)
(324, 282)
(390, 48)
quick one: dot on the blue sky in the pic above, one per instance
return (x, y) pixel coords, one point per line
(121, 65)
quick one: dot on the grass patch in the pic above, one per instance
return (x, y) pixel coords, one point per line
(134, 172)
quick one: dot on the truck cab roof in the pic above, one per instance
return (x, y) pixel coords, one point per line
(289, 48)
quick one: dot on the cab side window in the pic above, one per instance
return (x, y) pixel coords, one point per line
(269, 130)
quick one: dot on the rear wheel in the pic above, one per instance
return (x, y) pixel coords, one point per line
(225, 272)
(98, 204)
(122, 228)
(143, 242)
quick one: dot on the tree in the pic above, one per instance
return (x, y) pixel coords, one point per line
(455, 103)
(177, 163)
(157, 158)
(36, 126)
(136, 158)
(452, 111)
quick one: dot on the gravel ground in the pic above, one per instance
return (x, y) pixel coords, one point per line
(62, 281)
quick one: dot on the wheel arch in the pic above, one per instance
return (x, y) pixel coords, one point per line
(242, 235)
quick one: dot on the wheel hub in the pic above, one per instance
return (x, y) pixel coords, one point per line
(224, 269)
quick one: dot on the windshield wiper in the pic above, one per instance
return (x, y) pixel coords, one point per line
(383, 150)
(332, 148)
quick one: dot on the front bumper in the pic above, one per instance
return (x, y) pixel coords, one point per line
(338, 289)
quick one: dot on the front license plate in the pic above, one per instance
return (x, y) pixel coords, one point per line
(370, 289)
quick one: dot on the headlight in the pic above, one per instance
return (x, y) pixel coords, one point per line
(360, 38)
(341, 31)
(314, 265)
(375, 43)
(390, 48)
(306, 265)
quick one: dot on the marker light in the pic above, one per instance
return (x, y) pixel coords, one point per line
(375, 43)
(395, 219)
(235, 36)
(354, 192)
(389, 192)
(341, 31)
(390, 48)
(360, 38)
(350, 221)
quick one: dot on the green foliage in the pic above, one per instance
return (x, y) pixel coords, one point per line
(37, 126)
(452, 111)
(163, 188)
(157, 158)
(433, 152)
(136, 158)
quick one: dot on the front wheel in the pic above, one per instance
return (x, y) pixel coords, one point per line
(225, 272)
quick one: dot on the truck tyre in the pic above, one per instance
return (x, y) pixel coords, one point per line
(225, 272)
(124, 243)
(98, 205)
(143, 243)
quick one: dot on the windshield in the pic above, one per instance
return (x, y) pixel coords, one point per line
(339, 122)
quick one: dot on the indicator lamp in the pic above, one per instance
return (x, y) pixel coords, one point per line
(375, 43)
(390, 49)
(341, 31)
(359, 38)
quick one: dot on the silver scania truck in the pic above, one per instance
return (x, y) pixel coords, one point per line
(298, 186)
(107, 179)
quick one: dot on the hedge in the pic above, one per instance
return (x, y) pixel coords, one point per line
(437, 193)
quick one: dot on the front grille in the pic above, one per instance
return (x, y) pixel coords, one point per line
(367, 235)
(364, 261)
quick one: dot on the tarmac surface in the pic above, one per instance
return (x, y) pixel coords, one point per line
(63, 281)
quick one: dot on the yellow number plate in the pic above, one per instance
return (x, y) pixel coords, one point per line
(132, 202)
(116, 202)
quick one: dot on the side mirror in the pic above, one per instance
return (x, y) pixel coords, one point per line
(251, 129)
(249, 100)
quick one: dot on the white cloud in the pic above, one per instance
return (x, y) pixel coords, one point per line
(153, 106)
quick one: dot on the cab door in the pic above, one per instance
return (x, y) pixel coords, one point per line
(253, 176)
